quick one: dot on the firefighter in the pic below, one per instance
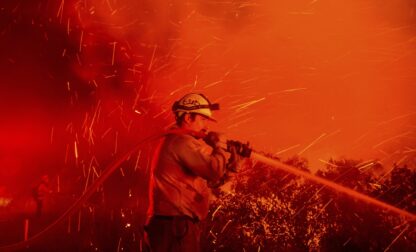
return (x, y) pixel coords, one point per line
(184, 163)
(40, 192)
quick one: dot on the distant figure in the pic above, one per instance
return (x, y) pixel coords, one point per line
(40, 192)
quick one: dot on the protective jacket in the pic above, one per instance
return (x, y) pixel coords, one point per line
(181, 167)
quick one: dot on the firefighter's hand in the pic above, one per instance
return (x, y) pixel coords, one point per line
(241, 149)
(235, 161)
(212, 139)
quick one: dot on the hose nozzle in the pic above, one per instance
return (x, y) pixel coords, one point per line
(242, 149)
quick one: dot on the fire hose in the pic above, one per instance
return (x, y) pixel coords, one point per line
(241, 149)
(245, 151)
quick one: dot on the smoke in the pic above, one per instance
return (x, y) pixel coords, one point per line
(314, 78)
(321, 79)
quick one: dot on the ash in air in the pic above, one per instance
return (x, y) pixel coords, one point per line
(324, 87)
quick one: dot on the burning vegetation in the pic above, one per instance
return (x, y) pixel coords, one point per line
(269, 210)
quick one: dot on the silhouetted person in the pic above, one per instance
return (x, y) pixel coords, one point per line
(40, 192)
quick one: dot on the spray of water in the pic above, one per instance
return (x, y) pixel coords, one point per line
(359, 196)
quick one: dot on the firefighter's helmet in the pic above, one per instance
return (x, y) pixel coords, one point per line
(194, 103)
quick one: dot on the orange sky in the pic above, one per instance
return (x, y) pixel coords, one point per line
(320, 79)
(288, 74)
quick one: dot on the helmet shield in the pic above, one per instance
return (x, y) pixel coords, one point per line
(194, 103)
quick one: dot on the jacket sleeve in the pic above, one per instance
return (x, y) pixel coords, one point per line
(200, 159)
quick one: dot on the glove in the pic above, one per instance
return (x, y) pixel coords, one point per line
(212, 139)
(233, 161)
(241, 149)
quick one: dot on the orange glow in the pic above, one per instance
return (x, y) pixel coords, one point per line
(287, 72)
(4, 202)
(81, 81)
